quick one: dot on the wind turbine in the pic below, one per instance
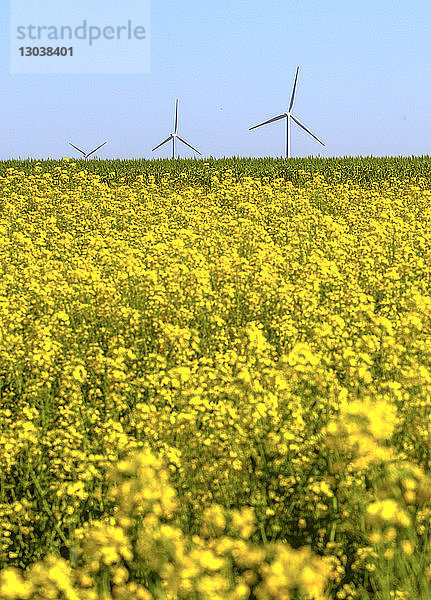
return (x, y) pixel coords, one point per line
(87, 154)
(288, 115)
(175, 136)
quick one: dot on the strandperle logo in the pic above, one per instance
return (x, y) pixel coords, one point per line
(83, 32)
(81, 37)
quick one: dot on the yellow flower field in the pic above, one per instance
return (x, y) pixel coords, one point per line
(214, 393)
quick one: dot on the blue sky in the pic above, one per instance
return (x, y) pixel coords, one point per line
(364, 85)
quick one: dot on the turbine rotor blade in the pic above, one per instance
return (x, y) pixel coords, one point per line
(292, 98)
(189, 145)
(176, 117)
(164, 142)
(269, 121)
(96, 149)
(76, 148)
(298, 122)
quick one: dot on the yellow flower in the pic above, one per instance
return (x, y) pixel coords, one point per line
(408, 547)
(13, 587)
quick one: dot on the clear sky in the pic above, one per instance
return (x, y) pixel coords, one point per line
(364, 86)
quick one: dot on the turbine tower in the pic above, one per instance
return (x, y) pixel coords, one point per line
(174, 135)
(288, 115)
(87, 154)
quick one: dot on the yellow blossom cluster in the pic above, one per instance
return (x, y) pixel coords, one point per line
(141, 553)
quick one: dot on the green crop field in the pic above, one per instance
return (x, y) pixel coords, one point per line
(360, 170)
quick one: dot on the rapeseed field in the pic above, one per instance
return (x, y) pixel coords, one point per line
(214, 386)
